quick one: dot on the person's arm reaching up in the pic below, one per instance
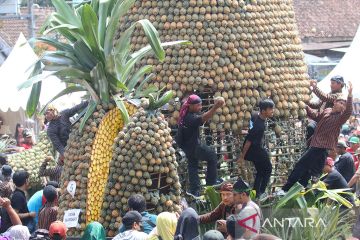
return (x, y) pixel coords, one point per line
(206, 116)
(348, 110)
(72, 111)
(331, 97)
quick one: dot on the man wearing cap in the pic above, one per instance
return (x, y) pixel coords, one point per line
(326, 100)
(345, 163)
(132, 222)
(6, 184)
(57, 231)
(223, 210)
(333, 179)
(250, 215)
(60, 126)
(48, 213)
(188, 139)
(354, 143)
(325, 138)
(241, 192)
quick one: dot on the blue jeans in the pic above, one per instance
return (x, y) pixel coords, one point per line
(201, 152)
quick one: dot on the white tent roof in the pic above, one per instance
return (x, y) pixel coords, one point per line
(348, 67)
(16, 69)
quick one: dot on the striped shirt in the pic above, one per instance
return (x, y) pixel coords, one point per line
(6, 189)
(326, 100)
(328, 125)
(54, 173)
(48, 214)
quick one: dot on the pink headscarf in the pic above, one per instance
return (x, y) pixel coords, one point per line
(192, 99)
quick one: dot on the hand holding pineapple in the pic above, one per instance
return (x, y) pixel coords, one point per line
(219, 102)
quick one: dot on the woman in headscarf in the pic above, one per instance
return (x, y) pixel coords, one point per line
(188, 225)
(17, 232)
(94, 231)
(165, 227)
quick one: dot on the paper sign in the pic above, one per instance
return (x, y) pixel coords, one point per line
(71, 218)
(71, 187)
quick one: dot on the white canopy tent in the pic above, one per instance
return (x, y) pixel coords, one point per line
(348, 67)
(15, 70)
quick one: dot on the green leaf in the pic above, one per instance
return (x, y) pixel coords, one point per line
(67, 12)
(164, 99)
(85, 85)
(35, 73)
(103, 16)
(95, 5)
(302, 202)
(68, 90)
(90, 25)
(120, 8)
(99, 77)
(33, 99)
(134, 80)
(145, 50)
(153, 38)
(151, 89)
(124, 41)
(55, 43)
(124, 112)
(213, 196)
(61, 26)
(89, 111)
(72, 73)
(116, 83)
(292, 194)
(83, 53)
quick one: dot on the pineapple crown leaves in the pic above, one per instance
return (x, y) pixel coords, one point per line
(89, 58)
(156, 102)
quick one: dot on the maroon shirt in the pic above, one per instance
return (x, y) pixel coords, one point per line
(328, 125)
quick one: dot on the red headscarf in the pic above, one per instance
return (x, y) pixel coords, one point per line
(192, 99)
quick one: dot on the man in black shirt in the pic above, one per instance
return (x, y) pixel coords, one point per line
(188, 139)
(19, 202)
(333, 179)
(60, 126)
(253, 149)
(345, 164)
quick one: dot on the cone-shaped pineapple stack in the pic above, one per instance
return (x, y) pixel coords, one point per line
(144, 162)
(243, 50)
